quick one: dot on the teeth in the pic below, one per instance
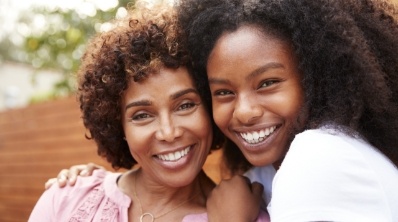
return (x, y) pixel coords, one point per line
(262, 133)
(257, 136)
(177, 155)
(174, 156)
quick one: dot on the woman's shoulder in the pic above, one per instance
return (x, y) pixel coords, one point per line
(92, 186)
(83, 184)
(59, 203)
(94, 195)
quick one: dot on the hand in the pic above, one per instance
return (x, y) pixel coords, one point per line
(70, 175)
(236, 199)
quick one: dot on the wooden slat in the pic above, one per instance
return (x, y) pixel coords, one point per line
(27, 123)
(36, 142)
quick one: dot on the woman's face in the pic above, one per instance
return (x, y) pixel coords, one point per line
(167, 127)
(256, 93)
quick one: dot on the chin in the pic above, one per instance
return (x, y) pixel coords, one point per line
(258, 160)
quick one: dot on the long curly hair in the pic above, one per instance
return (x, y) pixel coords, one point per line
(140, 44)
(347, 52)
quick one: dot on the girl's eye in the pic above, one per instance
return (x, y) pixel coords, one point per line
(268, 83)
(140, 117)
(222, 93)
(185, 106)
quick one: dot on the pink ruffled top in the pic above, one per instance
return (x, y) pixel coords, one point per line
(95, 198)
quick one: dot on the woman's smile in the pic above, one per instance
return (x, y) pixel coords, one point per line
(176, 159)
(167, 127)
(174, 156)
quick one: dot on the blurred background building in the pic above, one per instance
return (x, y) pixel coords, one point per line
(20, 84)
(41, 42)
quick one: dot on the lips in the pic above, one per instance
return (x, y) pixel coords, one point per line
(174, 156)
(254, 137)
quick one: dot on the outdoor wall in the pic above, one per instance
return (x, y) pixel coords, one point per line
(38, 141)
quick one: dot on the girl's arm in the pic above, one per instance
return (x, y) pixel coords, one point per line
(235, 200)
(70, 175)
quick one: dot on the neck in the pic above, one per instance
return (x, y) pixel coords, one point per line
(164, 201)
(150, 190)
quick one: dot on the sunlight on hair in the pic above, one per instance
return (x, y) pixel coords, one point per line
(151, 3)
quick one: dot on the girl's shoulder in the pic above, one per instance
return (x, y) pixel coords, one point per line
(334, 175)
(329, 140)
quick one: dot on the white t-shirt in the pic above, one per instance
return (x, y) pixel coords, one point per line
(329, 176)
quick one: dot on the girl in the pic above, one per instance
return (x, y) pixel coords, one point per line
(309, 88)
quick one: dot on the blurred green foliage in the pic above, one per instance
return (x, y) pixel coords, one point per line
(59, 45)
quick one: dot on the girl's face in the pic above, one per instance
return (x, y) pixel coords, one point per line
(256, 93)
(167, 127)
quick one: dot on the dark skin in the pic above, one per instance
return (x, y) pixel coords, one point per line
(245, 196)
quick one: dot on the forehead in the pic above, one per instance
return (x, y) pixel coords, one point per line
(166, 79)
(246, 48)
(248, 38)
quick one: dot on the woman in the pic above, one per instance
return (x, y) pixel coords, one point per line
(138, 120)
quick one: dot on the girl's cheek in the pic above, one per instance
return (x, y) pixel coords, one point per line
(220, 114)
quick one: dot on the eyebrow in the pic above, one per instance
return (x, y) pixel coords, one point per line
(264, 68)
(183, 92)
(256, 72)
(139, 103)
(172, 96)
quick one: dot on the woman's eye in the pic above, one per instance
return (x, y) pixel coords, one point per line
(186, 106)
(141, 116)
(268, 83)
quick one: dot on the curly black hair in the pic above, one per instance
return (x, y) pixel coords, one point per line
(136, 46)
(347, 52)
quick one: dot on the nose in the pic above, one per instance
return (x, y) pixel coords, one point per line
(167, 130)
(247, 109)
